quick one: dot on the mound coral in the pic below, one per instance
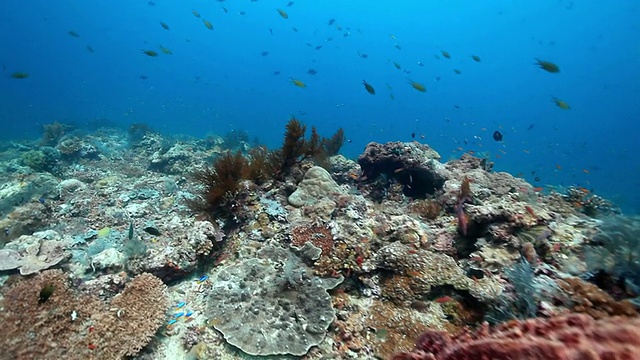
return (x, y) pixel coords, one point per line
(69, 324)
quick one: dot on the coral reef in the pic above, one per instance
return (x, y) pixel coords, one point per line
(565, 337)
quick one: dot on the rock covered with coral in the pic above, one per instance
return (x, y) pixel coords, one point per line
(566, 337)
(287, 307)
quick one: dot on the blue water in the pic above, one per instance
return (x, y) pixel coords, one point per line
(217, 80)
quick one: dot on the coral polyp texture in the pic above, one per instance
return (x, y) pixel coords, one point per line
(271, 305)
(563, 338)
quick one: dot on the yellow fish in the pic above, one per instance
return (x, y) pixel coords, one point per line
(283, 14)
(207, 24)
(418, 86)
(547, 66)
(165, 50)
(561, 104)
(195, 13)
(298, 83)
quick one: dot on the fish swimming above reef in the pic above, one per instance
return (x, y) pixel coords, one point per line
(368, 87)
(149, 53)
(283, 13)
(19, 75)
(547, 66)
(298, 83)
(418, 86)
(561, 104)
(497, 135)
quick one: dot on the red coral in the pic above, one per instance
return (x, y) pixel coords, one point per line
(575, 336)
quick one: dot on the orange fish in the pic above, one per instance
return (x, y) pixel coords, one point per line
(538, 189)
(443, 299)
(530, 211)
(558, 167)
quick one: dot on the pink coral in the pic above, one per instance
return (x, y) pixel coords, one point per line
(574, 337)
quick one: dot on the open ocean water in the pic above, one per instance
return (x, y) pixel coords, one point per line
(212, 67)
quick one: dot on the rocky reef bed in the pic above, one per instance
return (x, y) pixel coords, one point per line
(113, 245)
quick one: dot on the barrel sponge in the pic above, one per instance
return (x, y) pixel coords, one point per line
(271, 305)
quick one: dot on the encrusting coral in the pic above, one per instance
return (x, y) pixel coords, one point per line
(574, 336)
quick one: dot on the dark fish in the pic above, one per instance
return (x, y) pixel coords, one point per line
(332, 21)
(46, 293)
(318, 47)
(329, 39)
(130, 234)
(73, 33)
(151, 3)
(290, 3)
(164, 26)
(362, 55)
(294, 29)
(312, 72)
(19, 75)
(497, 136)
(397, 46)
(143, 77)
(264, 53)
(90, 49)
(536, 179)
(413, 135)
(547, 66)
(277, 72)
(270, 31)
(530, 127)
(241, 12)
(368, 87)
(457, 107)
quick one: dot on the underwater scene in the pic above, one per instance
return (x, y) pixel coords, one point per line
(259, 179)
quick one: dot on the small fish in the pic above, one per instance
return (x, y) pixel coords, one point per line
(290, 4)
(203, 278)
(165, 50)
(189, 313)
(241, 13)
(207, 24)
(73, 33)
(164, 26)
(178, 315)
(497, 135)
(475, 58)
(443, 299)
(130, 234)
(143, 77)
(46, 293)
(561, 104)
(397, 65)
(226, 11)
(397, 46)
(294, 29)
(149, 53)
(298, 83)
(331, 22)
(264, 53)
(283, 13)
(90, 49)
(195, 13)
(445, 54)
(457, 71)
(418, 86)
(180, 304)
(312, 71)
(463, 219)
(151, 3)
(19, 75)
(171, 322)
(276, 72)
(318, 47)
(368, 87)
(547, 66)
(363, 55)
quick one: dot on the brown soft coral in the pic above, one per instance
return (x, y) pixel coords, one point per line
(576, 336)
